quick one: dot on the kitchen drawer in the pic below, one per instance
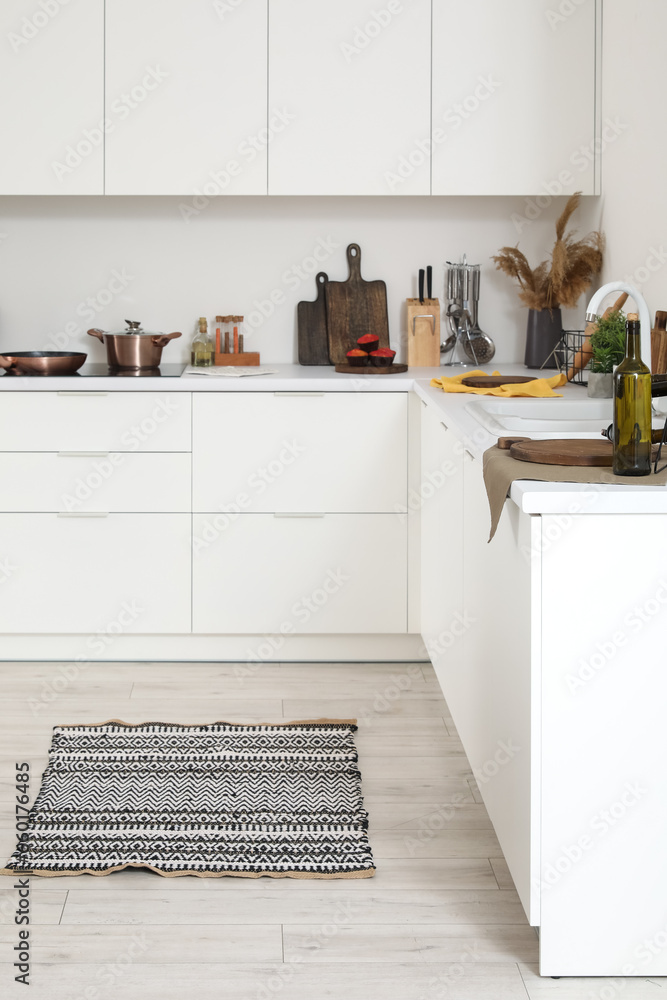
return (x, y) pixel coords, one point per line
(95, 421)
(102, 481)
(265, 452)
(266, 573)
(100, 576)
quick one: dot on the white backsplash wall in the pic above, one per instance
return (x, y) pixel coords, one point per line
(67, 264)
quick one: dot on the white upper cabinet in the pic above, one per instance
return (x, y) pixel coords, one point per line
(353, 81)
(514, 97)
(186, 97)
(52, 86)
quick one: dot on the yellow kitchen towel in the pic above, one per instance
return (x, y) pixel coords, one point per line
(539, 387)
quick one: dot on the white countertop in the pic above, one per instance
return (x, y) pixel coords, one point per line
(531, 496)
(294, 378)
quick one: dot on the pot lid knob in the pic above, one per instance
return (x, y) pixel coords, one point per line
(133, 326)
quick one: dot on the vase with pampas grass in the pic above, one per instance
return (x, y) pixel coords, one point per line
(557, 282)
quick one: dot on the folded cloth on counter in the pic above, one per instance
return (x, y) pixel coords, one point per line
(500, 471)
(539, 387)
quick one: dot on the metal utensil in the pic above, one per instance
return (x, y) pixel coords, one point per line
(42, 362)
(479, 347)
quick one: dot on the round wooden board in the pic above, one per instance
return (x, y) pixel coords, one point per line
(370, 369)
(494, 381)
(564, 451)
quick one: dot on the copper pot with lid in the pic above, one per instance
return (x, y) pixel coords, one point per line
(134, 347)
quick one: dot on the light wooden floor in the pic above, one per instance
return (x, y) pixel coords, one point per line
(441, 918)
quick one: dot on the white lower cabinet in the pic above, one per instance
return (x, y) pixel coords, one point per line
(101, 481)
(493, 690)
(266, 573)
(441, 486)
(300, 451)
(96, 575)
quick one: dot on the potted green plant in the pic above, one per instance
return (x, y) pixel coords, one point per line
(552, 284)
(608, 347)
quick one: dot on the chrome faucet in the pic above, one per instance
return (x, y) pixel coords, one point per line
(644, 318)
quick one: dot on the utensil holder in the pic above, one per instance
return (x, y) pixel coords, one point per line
(423, 333)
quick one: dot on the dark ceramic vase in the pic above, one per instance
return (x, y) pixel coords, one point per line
(545, 329)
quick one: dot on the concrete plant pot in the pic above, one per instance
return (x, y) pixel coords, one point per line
(600, 385)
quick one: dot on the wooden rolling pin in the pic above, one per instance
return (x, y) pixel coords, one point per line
(659, 344)
(584, 355)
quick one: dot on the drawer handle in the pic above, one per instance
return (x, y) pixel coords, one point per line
(83, 513)
(83, 454)
(299, 394)
(72, 392)
(443, 424)
(297, 514)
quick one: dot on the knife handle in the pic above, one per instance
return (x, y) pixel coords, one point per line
(429, 282)
(421, 284)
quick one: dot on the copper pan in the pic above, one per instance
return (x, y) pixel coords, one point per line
(42, 362)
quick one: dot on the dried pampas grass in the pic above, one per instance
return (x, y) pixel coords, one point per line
(560, 281)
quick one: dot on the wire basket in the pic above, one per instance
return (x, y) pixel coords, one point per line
(565, 351)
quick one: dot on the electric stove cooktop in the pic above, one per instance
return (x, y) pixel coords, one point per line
(94, 370)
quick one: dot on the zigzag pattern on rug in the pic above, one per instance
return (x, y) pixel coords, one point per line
(280, 800)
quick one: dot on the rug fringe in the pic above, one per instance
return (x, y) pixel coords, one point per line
(42, 873)
(218, 722)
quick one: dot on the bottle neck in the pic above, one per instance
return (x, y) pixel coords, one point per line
(633, 342)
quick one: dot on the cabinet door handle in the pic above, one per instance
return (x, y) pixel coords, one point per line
(298, 514)
(83, 513)
(443, 424)
(72, 392)
(83, 454)
(299, 394)
(469, 455)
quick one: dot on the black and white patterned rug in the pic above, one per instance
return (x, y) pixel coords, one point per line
(220, 799)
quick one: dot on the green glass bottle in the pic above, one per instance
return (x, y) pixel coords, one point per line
(632, 408)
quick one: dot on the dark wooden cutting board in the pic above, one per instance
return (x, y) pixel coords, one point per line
(355, 307)
(311, 322)
(494, 381)
(559, 451)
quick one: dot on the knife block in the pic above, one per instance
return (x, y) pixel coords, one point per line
(423, 333)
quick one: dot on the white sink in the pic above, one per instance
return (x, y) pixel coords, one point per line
(542, 418)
